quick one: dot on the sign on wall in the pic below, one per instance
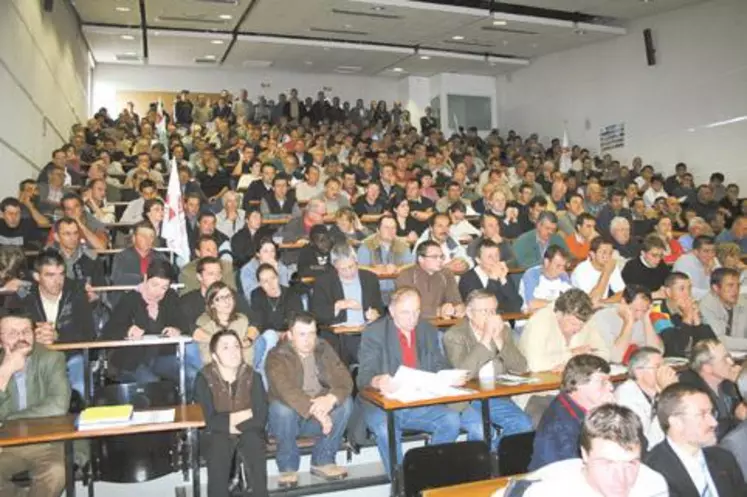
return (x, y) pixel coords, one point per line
(612, 136)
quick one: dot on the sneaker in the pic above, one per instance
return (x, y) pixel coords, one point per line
(288, 480)
(329, 472)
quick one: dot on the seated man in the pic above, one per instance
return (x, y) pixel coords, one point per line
(543, 284)
(599, 275)
(346, 296)
(130, 266)
(627, 326)
(614, 208)
(696, 227)
(712, 370)
(93, 233)
(244, 242)
(259, 188)
(649, 269)
(579, 242)
(532, 245)
(205, 247)
(332, 198)
(81, 263)
(610, 438)
(454, 254)
(737, 234)
(724, 309)
(626, 247)
(677, 318)
(698, 264)
(460, 229)
(153, 309)
(370, 203)
(567, 219)
(491, 274)
(207, 226)
(278, 204)
(309, 393)
(33, 384)
(490, 227)
(59, 307)
(14, 229)
(384, 252)
(436, 285)
(529, 216)
(298, 229)
(736, 440)
(484, 345)
(133, 213)
(401, 338)
(585, 385)
(647, 377)
(555, 334)
(687, 458)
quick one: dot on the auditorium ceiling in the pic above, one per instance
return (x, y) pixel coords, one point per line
(369, 37)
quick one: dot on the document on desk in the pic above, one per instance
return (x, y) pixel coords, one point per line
(153, 417)
(415, 385)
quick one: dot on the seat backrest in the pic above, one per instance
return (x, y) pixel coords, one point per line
(441, 465)
(514, 453)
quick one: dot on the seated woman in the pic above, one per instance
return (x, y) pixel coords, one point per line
(153, 211)
(235, 408)
(406, 224)
(266, 253)
(152, 310)
(350, 226)
(673, 249)
(273, 305)
(220, 313)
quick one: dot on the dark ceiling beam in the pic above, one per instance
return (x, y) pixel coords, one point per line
(509, 8)
(144, 29)
(236, 28)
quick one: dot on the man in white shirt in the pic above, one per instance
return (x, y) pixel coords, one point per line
(610, 463)
(647, 377)
(699, 264)
(455, 255)
(599, 274)
(311, 187)
(688, 459)
(627, 325)
(654, 192)
(133, 213)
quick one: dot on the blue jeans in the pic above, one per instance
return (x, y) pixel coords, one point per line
(440, 421)
(193, 363)
(75, 373)
(503, 412)
(166, 367)
(262, 346)
(286, 425)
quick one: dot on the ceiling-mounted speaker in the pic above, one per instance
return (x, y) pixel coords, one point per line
(648, 40)
(48, 5)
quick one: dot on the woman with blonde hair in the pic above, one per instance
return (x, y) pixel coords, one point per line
(220, 313)
(350, 225)
(730, 256)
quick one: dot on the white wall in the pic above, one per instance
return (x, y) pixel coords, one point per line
(44, 75)
(109, 78)
(700, 79)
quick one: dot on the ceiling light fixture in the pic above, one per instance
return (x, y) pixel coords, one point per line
(499, 23)
(425, 57)
(397, 69)
(130, 54)
(457, 37)
(308, 62)
(225, 17)
(122, 9)
(127, 37)
(217, 42)
(377, 8)
(210, 57)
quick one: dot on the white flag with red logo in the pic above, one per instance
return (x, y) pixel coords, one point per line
(566, 162)
(174, 229)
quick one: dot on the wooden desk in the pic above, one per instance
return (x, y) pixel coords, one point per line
(482, 488)
(63, 429)
(441, 323)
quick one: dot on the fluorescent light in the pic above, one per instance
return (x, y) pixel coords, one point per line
(131, 54)
(425, 57)
(308, 62)
(127, 37)
(217, 42)
(397, 69)
(377, 8)
(225, 17)
(326, 45)
(724, 123)
(122, 9)
(211, 57)
(499, 23)
(457, 37)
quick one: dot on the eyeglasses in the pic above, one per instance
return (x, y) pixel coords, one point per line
(224, 298)
(489, 311)
(435, 256)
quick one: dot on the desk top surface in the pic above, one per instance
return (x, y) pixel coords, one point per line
(62, 428)
(482, 488)
(152, 340)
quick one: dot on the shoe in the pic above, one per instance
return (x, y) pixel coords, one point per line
(329, 472)
(288, 480)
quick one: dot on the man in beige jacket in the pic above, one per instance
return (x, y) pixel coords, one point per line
(483, 345)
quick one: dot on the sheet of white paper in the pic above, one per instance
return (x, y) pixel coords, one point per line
(413, 385)
(618, 369)
(153, 417)
(514, 379)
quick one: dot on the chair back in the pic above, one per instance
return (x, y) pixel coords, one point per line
(514, 453)
(441, 465)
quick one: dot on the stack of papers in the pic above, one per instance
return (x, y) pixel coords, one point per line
(98, 418)
(513, 380)
(414, 385)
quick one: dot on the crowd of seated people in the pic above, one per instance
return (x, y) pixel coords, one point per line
(303, 215)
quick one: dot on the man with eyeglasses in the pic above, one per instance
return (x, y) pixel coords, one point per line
(437, 285)
(610, 462)
(648, 270)
(688, 459)
(712, 370)
(483, 345)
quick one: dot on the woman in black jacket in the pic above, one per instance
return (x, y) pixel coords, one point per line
(235, 408)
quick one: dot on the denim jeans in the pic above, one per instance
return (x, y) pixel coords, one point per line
(166, 367)
(440, 421)
(262, 346)
(75, 373)
(503, 412)
(286, 425)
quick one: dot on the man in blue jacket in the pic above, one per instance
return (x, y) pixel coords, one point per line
(585, 385)
(401, 338)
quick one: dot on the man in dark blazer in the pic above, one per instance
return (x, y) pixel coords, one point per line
(688, 459)
(346, 296)
(259, 188)
(401, 338)
(491, 274)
